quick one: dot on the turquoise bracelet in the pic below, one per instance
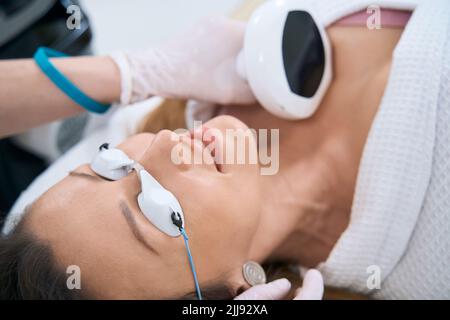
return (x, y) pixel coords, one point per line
(41, 57)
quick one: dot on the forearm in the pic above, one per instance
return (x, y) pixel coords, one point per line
(28, 98)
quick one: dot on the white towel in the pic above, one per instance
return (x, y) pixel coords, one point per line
(400, 220)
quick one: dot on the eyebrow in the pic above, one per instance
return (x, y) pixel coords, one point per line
(126, 212)
(124, 209)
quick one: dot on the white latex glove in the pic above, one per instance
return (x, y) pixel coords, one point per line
(312, 289)
(199, 64)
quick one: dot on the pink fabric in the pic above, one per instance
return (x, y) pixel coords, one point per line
(389, 18)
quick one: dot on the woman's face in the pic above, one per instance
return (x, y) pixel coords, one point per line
(97, 225)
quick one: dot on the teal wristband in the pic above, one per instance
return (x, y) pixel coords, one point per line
(65, 85)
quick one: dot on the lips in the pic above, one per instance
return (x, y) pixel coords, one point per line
(210, 141)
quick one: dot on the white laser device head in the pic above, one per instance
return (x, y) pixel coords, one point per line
(156, 203)
(286, 58)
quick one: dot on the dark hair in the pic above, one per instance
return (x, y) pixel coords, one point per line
(213, 292)
(28, 270)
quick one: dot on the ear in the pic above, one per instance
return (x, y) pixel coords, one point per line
(236, 282)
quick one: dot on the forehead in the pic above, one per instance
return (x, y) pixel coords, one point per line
(76, 216)
(82, 222)
(73, 206)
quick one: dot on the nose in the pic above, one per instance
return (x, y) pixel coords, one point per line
(136, 146)
(159, 157)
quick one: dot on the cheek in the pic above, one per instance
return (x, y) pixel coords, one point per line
(247, 208)
(226, 213)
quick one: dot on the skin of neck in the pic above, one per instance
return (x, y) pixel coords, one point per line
(307, 204)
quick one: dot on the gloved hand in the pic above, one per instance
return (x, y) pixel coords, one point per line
(312, 289)
(199, 64)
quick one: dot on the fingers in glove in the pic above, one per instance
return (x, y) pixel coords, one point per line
(312, 288)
